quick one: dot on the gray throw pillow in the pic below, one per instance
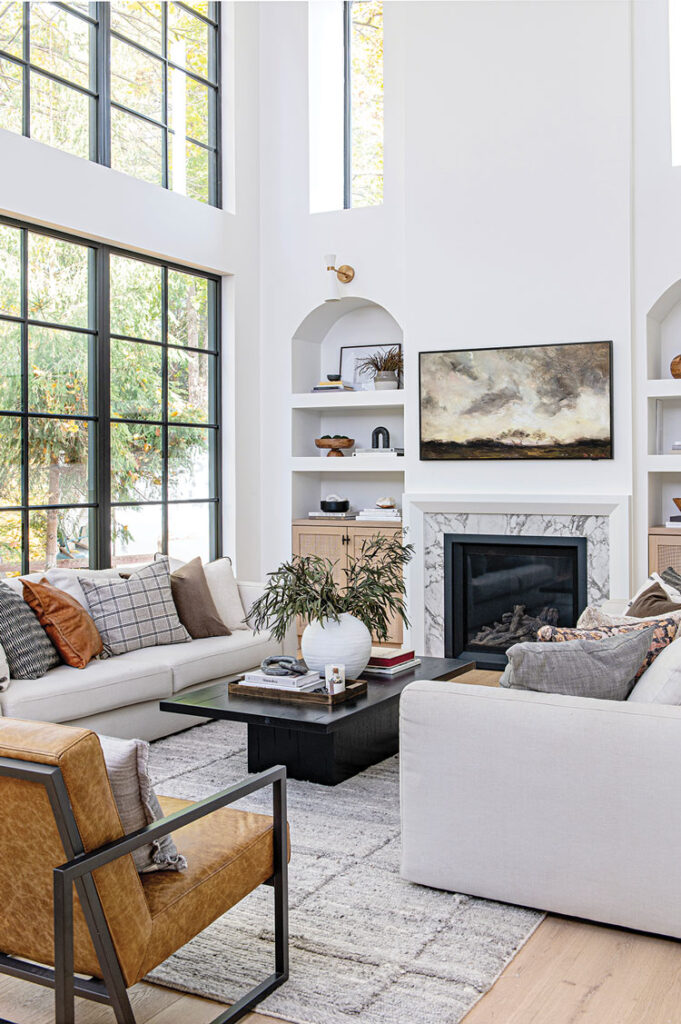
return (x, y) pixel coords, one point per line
(603, 668)
(137, 612)
(127, 767)
(30, 652)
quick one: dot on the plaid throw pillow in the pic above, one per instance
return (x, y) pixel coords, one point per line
(662, 634)
(137, 612)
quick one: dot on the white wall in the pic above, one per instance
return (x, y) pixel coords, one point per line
(506, 218)
(48, 187)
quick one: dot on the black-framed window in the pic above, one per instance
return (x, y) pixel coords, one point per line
(109, 405)
(129, 84)
(363, 103)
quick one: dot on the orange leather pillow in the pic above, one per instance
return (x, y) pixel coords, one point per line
(70, 628)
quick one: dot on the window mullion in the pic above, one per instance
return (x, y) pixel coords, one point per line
(25, 539)
(103, 57)
(26, 113)
(103, 404)
(164, 29)
(347, 104)
(165, 414)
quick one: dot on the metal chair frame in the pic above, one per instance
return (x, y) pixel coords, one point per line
(78, 872)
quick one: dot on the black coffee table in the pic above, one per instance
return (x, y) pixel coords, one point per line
(315, 742)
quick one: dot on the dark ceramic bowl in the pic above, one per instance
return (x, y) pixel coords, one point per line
(333, 376)
(335, 506)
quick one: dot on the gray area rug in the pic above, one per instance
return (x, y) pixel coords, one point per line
(366, 946)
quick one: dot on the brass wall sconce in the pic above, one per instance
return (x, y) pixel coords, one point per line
(344, 273)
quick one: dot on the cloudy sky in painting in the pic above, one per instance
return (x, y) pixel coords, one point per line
(552, 393)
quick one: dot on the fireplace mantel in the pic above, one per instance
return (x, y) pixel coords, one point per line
(604, 520)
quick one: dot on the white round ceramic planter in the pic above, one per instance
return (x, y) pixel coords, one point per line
(346, 642)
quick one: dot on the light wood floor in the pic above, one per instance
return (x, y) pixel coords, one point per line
(569, 972)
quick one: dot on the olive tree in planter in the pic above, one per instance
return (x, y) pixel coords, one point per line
(340, 618)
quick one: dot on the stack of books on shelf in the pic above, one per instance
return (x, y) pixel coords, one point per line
(310, 681)
(388, 662)
(350, 514)
(394, 452)
(382, 515)
(673, 523)
(333, 385)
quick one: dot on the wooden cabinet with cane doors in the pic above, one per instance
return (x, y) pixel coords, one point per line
(335, 542)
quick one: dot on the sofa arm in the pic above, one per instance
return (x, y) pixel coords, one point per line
(249, 592)
(562, 803)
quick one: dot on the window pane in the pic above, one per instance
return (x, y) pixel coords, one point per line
(11, 99)
(367, 102)
(57, 371)
(136, 298)
(10, 543)
(189, 451)
(190, 107)
(188, 40)
(58, 537)
(58, 462)
(136, 380)
(189, 531)
(189, 168)
(60, 116)
(136, 534)
(58, 278)
(10, 270)
(60, 43)
(136, 80)
(10, 360)
(11, 28)
(136, 462)
(10, 460)
(136, 147)
(139, 21)
(189, 386)
(188, 304)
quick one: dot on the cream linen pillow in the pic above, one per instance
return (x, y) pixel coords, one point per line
(225, 593)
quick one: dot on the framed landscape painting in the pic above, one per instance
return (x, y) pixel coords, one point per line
(531, 402)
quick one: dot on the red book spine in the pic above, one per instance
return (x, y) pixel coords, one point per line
(389, 662)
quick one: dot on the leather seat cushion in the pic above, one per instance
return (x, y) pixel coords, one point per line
(68, 693)
(217, 656)
(229, 854)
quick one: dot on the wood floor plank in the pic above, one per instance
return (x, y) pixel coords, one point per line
(479, 677)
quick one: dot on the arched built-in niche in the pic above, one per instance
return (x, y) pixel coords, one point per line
(315, 352)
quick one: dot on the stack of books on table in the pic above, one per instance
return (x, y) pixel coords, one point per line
(383, 515)
(388, 662)
(310, 681)
(333, 385)
(350, 514)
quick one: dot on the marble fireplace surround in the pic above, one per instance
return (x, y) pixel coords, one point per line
(603, 521)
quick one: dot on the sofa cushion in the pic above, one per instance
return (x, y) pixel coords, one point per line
(661, 683)
(653, 601)
(66, 694)
(194, 603)
(30, 652)
(662, 632)
(66, 622)
(204, 660)
(225, 593)
(135, 613)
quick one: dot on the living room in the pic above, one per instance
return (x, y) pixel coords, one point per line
(438, 243)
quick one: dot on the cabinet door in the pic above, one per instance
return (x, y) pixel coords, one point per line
(357, 534)
(326, 542)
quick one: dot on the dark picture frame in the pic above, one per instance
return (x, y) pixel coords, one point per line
(348, 357)
(522, 402)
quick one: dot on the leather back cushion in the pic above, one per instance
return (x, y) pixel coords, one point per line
(30, 847)
(68, 625)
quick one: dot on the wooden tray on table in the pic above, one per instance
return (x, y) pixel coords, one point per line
(353, 688)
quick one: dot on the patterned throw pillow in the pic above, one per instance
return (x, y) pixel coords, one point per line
(662, 634)
(30, 652)
(137, 612)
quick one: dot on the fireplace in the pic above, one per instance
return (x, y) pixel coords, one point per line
(499, 590)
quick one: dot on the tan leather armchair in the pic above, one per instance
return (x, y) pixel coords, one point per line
(60, 829)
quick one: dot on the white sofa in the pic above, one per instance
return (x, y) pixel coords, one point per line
(562, 803)
(120, 696)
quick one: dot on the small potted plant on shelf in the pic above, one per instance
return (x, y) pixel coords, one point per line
(340, 616)
(385, 367)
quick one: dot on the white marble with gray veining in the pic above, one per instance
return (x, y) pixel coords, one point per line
(594, 527)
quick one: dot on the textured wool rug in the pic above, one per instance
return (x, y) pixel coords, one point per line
(366, 946)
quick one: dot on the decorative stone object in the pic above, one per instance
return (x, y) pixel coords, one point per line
(675, 367)
(347, 641)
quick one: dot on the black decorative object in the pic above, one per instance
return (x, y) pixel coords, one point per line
(333, 503)
(380, 438)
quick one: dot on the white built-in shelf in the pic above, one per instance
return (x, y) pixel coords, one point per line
(352, 400)
(352, 464)
(668, 388)
(664, 463)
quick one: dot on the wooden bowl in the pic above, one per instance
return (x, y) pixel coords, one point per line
(334, 444)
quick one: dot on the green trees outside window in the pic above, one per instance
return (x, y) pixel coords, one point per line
(133, 85)
(108, 405)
